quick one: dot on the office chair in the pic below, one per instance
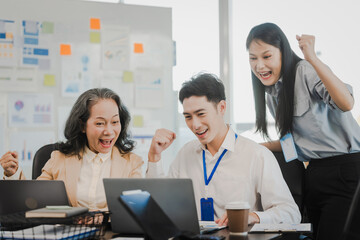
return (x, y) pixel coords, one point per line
(294, 175)
(352, 229)
(41, 157)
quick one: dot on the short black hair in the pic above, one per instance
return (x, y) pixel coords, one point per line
(203, 84)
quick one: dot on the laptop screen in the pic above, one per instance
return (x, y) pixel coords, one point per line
(174, 196)
(149, 215)
(22, 195)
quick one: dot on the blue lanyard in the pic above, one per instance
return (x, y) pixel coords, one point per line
(207, 180)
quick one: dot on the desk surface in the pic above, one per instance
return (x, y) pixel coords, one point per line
(224, 232)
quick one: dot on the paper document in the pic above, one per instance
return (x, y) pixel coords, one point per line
(302, 227)
(209, 226)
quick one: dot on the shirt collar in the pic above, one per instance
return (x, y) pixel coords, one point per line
(89, 155)
(228, 143)
(273, 90)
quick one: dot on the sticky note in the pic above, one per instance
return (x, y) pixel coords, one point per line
(95, 23)
(138, 48)
(65, 49)
(138, 121)
(47, 27)
(49, 80)
(95, 37)
(9, 35)
(128, 77)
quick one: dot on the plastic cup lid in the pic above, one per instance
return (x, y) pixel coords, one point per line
(237, 205)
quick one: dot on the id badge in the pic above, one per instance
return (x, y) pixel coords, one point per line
(207, 209)
(288, 147)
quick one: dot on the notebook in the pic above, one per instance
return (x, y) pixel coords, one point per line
(23, 195)
(51, 212)
(174, 196)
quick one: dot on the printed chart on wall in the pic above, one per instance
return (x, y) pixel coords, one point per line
(7, 50)
(149, 88)
(120, 82)
(30, 110)
(115, 48)
(36, 44)
(24, 52)
(27, 143)
(77, 69)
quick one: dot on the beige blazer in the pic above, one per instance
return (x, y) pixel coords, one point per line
(61, 167)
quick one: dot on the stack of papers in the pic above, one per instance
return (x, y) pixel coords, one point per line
(283, 227)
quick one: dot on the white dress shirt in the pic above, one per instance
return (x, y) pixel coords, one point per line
(247, 172)
(90, 188)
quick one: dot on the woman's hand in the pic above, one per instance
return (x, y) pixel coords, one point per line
(96, 219)
(307, 46)
(10, 163)
(336, 88)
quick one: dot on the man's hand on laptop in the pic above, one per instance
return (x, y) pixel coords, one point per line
(223, 221)
(253, 218)
(9, 162)
(162, 139)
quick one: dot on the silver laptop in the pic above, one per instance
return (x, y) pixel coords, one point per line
(174, 196)
(22, 195)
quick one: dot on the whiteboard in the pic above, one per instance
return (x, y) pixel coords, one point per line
(60, 48)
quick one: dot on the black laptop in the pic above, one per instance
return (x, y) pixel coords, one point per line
(174, 196)
(153, 220)
(22, 195)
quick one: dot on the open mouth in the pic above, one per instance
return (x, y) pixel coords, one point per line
(202, 133)
(106, 143)
(265, 75)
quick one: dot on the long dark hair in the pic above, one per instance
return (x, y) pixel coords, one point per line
(76, 139)
(271, 34)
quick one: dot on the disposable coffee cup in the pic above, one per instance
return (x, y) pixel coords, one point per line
(238, 215)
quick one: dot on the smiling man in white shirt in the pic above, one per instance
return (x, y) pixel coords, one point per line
(223, 166)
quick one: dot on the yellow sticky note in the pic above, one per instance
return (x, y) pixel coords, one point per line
(95, 37)
(128, 77)
(47, 27)
(138, 121)
(49, 80)
(138, 48)
(65, 49)
(95, 23)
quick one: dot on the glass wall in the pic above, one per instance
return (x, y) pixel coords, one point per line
(334, 24)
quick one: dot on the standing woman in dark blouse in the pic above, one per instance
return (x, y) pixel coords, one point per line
(311, 107)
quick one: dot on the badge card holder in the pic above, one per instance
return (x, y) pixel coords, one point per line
(207, 209)
(288, 147)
